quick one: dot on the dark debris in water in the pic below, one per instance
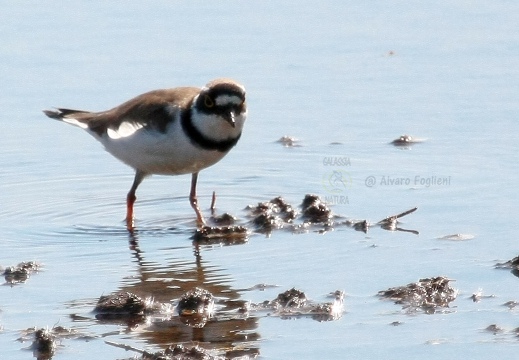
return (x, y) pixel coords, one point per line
(406, 141)
(512, 264)
(225, 219)
(45, 341)
(502, 332)
(266, 217)
(20, 273)
(389, 223)
(277, 214)
(179, 352)
(512, 304)
(289, 141)
(123, 303)
(316, 211)
(44, 344)
(495, 329)
(428, 295)
(234, 234)
(294, 303)
(196, 301)
(129, 307)
(478, 296)
(272, 215)
(291, 298)
(182, 352)
(195, 307)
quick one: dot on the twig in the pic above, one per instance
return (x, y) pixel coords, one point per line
(213, 202)
(394, 217)
(126, 347)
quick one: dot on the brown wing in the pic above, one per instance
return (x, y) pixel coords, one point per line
(152, 109)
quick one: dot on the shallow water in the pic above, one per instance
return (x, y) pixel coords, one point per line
(345, 79)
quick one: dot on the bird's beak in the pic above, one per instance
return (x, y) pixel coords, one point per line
(230, 118)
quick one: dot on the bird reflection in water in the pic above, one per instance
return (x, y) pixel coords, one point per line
(195, 286)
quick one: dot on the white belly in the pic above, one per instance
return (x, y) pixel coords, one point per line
(170, 153)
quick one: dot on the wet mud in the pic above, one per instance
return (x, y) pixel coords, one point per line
(45, 342)
(512, 265)
(429, 295)
(20, 273)
(197, 306)
(182, 310)
(406, 141)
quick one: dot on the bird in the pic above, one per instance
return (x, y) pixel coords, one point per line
(173, 131)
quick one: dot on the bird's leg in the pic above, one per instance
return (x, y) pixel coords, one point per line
(130, 198)
(194, 201)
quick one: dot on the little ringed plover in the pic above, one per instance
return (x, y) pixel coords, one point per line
(168, 132)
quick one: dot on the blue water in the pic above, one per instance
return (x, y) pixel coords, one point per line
(343, 78)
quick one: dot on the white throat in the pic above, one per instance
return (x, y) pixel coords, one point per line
(215, 127)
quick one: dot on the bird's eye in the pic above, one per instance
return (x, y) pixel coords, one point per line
(208, 101)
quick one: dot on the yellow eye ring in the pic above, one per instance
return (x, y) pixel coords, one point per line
(208, 102)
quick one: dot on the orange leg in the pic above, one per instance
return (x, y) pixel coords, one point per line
(194, 201)
(130, 199)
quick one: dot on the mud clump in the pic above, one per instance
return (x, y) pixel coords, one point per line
(291, 298)
(315, 210)
(234, 234)
(225, 219)
(20, 273)
(330, 310)
(494, 329)
(44, 344)
(277, 214)
(362, 225)
(428, 294)
(187, 353)
(178, 352)
(195, 307)
(286, 211)
(45, 340)
(403, 140)
(314, 215)
(272, 215)
(183, 352)
(512, 264)
(294, 303)
(406, 141)
(121, 304)
(196, 301)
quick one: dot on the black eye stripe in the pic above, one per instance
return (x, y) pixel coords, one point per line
(206, 102)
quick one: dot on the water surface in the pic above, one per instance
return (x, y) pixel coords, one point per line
(343, 78)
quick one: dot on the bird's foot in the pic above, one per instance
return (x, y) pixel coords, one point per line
(130, 224)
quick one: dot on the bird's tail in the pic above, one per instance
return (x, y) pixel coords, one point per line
(68, 115)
